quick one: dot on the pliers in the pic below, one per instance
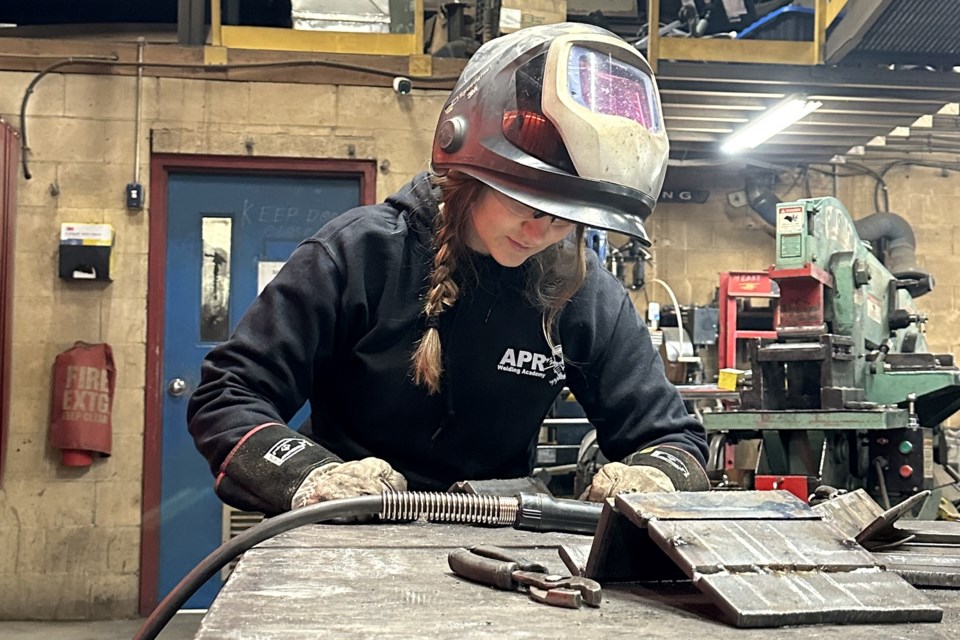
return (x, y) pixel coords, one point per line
(501, 569)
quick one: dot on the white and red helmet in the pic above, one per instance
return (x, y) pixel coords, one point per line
(564, 118)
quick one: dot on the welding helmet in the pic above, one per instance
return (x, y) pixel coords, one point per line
(564, 118)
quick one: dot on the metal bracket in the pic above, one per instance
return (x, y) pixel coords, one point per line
(924, 553)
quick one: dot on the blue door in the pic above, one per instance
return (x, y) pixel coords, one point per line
(226, 237)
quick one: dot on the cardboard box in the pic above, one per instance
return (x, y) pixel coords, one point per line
(609, 8)
(517, 14)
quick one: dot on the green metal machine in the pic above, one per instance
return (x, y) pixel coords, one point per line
(848, 395)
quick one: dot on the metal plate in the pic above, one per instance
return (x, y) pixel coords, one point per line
(743, 546)
(937, 532)
(925, 565)
(714, 505)
(774, 599)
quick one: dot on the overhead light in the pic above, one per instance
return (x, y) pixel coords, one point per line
(773, 121)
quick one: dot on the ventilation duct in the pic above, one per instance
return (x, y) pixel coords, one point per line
(899, 247)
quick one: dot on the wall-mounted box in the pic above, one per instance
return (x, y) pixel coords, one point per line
(86, 251)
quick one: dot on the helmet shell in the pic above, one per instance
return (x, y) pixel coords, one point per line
(608, 170)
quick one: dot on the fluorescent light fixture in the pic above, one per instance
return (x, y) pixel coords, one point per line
(773, 121)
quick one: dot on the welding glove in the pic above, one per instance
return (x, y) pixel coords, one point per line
(367, 477)
(264, 469)
(656, 469)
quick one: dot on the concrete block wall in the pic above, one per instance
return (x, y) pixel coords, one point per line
(925, 198)
(70, 538)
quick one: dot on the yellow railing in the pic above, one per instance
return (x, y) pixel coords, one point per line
(751, 51)
(276, 39)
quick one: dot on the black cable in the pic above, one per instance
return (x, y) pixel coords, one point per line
(30, 87)
(320, 512)
(114, 62)
(798, 173)
(943, 166)
(861, 170)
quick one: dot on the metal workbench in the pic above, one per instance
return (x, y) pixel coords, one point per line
(392, 581)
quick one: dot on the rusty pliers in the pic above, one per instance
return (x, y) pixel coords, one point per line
(501, 569)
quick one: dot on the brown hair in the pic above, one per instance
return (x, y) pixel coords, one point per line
(553, 275)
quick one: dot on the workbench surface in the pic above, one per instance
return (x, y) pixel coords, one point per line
(392, 581)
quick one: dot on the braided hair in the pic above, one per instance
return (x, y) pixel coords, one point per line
(553, 275)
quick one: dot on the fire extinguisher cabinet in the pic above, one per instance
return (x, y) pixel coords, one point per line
(84, 381)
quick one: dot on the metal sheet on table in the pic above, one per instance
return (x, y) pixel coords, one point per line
(715, 546)
(935, 532)
(774, 599)
(924, 565)
(714, 505)
(575, 557)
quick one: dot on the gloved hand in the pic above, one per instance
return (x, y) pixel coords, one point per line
(662, 468)
(370, 476)
(616, 477)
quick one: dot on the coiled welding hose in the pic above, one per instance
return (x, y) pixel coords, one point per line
(529, 512)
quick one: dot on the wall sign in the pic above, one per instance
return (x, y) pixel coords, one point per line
(684, 196)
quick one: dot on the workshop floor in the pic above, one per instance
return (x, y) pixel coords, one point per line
(182, 627)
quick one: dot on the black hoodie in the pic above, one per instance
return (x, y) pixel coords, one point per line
(337, 327)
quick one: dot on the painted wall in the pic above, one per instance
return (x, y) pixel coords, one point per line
(69, 539)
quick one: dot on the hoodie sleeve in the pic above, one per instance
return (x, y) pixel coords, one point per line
(617, 376)
(253, 383)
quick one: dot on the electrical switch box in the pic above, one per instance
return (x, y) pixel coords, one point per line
(86, 251)
(134, 195)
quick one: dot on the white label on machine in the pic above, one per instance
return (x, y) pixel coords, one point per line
(874, 310)
(266, 271)
(546, 456)
(510, 19)
(789, 220)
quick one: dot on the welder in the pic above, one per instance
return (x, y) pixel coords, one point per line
(431, 333)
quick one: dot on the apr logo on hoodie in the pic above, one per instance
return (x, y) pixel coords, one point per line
(527, 363)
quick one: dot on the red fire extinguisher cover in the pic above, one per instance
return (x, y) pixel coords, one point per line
(84, 380)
